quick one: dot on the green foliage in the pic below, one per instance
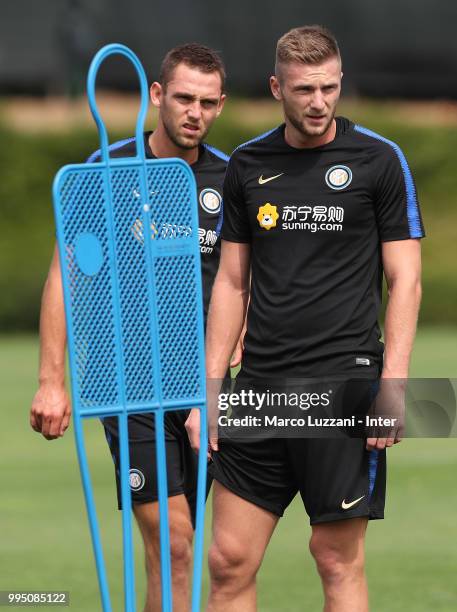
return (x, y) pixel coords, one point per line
(28, 163)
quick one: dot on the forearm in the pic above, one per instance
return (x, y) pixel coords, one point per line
(225, 322)
(400, 326)
(52, 329)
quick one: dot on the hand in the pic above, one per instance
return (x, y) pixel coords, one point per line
(192, 426)
(388, 404)
(51, 411)
(213, 387)
(192, 423)
(238, 353)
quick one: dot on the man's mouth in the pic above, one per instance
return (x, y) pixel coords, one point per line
(191, 128)
(316, 118)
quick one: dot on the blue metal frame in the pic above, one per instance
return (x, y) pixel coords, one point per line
(76, 180)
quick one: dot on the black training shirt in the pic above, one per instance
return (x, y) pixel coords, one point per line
(315, 219)
(209, 171)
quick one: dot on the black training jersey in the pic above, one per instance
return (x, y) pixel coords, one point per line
(315, 219)
(209, 171)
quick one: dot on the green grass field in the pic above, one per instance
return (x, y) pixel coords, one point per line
(45, 545)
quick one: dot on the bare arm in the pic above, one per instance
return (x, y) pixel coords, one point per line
(51, 410)
(226, 316)
(227, 310)
(239, 349)
(238, 352)
(402, 269)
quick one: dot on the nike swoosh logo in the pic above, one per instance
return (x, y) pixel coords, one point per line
(346, 506)
(262, 180)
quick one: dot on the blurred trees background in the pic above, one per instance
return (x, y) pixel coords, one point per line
(392, 51)
(30, 157)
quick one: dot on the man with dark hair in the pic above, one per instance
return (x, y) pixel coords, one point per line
(189, 96)
(315, 211)
(195, 56)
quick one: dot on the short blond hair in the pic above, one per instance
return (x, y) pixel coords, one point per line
(306, 45)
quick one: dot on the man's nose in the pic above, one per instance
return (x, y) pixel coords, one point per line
(195, 110)
(318, 101)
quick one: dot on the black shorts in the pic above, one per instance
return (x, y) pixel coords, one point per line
(336, 476)
(329, 474)
(182, 460)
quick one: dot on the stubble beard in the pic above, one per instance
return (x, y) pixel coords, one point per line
(300, 125)
(183, 142)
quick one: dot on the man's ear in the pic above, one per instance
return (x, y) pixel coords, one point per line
(156, 92)
(220, 105)
(275, 87)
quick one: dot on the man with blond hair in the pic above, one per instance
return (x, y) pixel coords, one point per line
(315, 211)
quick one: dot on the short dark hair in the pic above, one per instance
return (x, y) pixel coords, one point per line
(194, 55)
(307, 45)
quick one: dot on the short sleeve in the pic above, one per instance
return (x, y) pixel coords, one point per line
(235, 222)
(397, 207)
